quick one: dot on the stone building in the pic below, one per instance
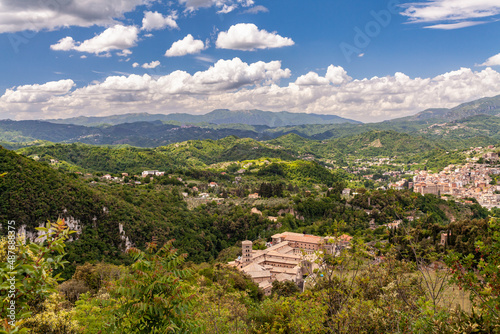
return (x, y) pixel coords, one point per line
(289, 258)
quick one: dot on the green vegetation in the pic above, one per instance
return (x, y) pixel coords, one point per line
(148, 254)
(348, 293)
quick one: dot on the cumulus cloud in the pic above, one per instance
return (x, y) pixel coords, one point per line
(235, 84)
(311, 79)
(185, 46)
(38, 15)
(37, 93)
(492, 61)
(134, 65)
(156, 21)
(153, 64)
(457, 13)
(118, 37)
(248, 37)
(335, 75)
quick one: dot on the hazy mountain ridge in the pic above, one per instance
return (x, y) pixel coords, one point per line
(473, 123)
(219, 116)
(485, 106)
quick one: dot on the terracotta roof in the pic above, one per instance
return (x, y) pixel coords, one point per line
(305, 238)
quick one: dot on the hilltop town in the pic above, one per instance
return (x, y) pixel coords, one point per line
(472, 180)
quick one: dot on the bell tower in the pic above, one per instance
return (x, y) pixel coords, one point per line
(246, 248)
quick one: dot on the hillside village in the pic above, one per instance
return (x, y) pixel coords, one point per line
(472, 180)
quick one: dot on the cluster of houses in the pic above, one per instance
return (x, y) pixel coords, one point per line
(469, 181)
(289, 257)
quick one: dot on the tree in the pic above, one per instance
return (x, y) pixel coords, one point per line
(480, 275)
(26, 273)
(285, 288)
(335, 277)
(155, 298)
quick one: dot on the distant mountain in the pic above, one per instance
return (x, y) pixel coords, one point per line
(141, 134)
(487, 106)
(220, 116)
(472, 123)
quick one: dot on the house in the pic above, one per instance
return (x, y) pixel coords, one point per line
(255, 195)
(149, 173)
(346, 192)
(395, 224)
(256, 211)
(195, 189)
(491, 156)
(107, 177)
(213, 184)
(124, 174)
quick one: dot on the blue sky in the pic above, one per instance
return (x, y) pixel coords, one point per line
(366, 60)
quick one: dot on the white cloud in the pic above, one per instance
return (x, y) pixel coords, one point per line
(192, 5)
(156, 21)
(248, 37)
(225, 6)
(37, 93)
(124, 53)
(187, 45)
(492, 61)
(134, 65)
(64, 44)
(257, 9)
(337, 75)
(311, 79)
(118, 37)
(38, 15)
(235, 84)
(459, 25)
(227, 9)
(153, 64)
(454, 12)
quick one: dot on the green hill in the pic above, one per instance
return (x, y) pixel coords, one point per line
(187, 154)
(32, 192)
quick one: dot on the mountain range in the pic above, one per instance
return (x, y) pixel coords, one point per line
(486, 106)
(472, 123)
(219, 116)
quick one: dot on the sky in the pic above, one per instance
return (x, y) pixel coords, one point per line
(368, 60)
